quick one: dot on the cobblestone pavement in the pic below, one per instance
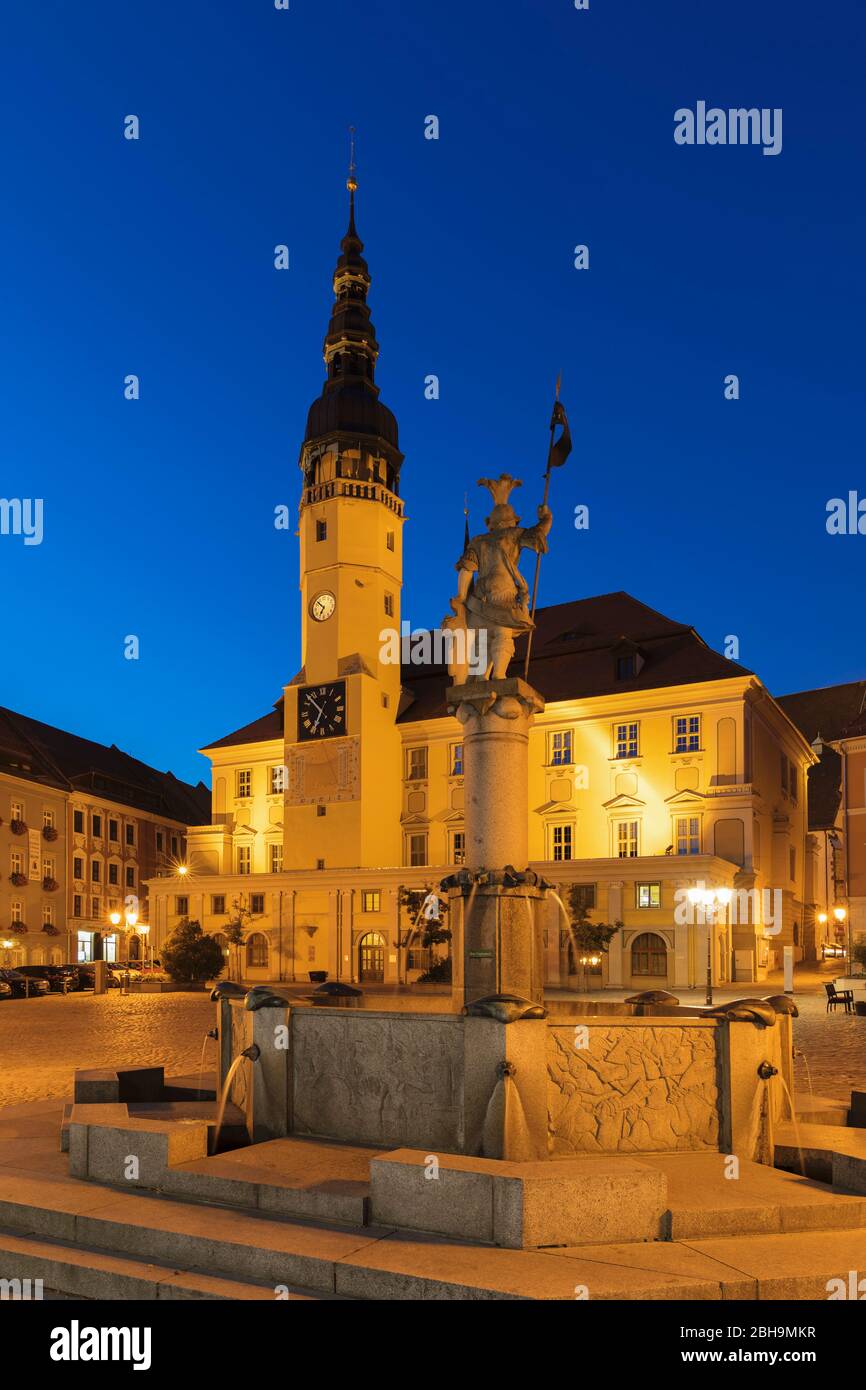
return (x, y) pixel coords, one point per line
(835, 1049)
(42, 1041)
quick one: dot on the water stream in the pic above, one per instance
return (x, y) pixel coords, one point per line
(230, 1076)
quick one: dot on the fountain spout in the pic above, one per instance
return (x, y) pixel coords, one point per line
(766, 1070)
(252, 1053)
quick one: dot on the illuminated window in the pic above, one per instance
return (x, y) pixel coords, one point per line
(48, 819)
(458, 847)
(244, 856)
(649, 955)
(457, 760)
(626, 740)
(687, 733)
(276, 859)
(277, 780)
(416, 764)
(371, 901)
(648, 895)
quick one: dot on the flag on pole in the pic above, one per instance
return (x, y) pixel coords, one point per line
(560, 451)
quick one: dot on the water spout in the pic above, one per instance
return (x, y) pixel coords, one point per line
(506, 1133)
(249, 1054)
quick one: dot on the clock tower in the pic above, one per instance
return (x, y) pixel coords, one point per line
(342, 743)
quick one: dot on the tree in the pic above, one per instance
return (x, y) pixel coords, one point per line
(592, 938)
(236, 928)
(190, 955)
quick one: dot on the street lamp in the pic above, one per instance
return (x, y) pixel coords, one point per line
(144, 930)
(840, 914)
(710, 899)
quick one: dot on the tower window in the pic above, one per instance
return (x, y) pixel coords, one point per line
(389, 605)
(389, 540)
(321, 530)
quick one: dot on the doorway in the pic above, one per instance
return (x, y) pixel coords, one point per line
(371, 959)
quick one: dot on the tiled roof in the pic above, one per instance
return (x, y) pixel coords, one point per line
(56, 758)
(573, 657)
(832, 712)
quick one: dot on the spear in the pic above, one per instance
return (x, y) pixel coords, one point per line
(558, 451)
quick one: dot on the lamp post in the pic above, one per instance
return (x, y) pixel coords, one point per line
(840, 914)
(144, 931)
(710, 899)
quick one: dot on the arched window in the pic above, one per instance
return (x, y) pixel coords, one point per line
(135, 948)
(649, 955)
(371, 957)
(257, 949)
(222, 941)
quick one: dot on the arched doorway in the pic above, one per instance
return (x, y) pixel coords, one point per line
(135, 948)
(257, 951)
(649, 957)
(371, 958)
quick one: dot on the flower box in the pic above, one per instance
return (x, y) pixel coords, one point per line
(50, 929)
(18, 880)
(50, 885)
(18, 827)
(18, 928)
(50, 832)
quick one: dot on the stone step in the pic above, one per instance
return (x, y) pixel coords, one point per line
(705, 1198)
(825, 1152)
(814, 1110)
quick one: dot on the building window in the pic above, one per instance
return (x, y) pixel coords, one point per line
(76, 905)
(130, 877)
(94, 871)
(458, 847)
(416, 764)
(130, 834)
(78, 822)
(160, 839)
(257, 903)
(385, 701)
(218, 904)
(276, 859)
(626, 668)
(112, 829)
(371, 900)
(244, 856)
(559, 748)
(416, 850)
(688, 835)
(78, 868)
(457, 760)
(649, 955)
(17, 910)
(626, 740)
(48, 819)
(583, 896)
(96, 827)
(792, 859)
(321, 810)
(277, 779)
(389, 540)
(48, 914)
(243, 782)
(181, 905)
(627, 837)
(792, 782)
(48, 866)
(687, 733)
(257, 950)
(321, 530)
(389, 605)
(174, 845)
(320, 864)
(562, 842)
(85, 946)
(17, 810)
(18, 861)
(113, 874)
(648, 895)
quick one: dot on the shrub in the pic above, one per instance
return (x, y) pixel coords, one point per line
(438, 974)
(191, 956)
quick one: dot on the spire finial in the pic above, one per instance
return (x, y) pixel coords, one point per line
(351, 181)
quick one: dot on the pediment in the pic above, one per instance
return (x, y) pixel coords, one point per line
(684, 798)
(624, 803)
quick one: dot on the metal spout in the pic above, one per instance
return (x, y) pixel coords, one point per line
(766, 1070)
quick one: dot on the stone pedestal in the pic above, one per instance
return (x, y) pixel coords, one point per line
(496, 717)
(496, 908)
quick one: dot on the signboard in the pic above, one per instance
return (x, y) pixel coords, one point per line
(480, 955)
(34, 854)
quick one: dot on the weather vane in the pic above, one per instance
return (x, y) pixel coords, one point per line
(351, 181)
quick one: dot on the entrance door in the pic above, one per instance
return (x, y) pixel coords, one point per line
(371, 963)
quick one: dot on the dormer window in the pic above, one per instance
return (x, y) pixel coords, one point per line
(626, 668)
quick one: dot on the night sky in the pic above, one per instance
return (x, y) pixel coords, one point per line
(155, 257)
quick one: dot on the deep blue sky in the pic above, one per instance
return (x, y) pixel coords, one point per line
(156, 257)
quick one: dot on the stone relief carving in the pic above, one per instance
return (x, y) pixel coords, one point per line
(632, 1090)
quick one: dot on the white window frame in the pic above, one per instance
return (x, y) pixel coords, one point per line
(689, 836)
(243, 779)
(561, 839)
(632, 829)
(244, 859)
(560, 748)
(690, 736)
(629, 745)
(651, 884)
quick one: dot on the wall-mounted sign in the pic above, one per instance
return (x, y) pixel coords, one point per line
(34, 854)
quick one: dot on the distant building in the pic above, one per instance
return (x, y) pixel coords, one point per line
(657, 765)
(833, 719)
(82, 829)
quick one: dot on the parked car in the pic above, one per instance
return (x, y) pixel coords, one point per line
(25, 986)
(87, 975)
(5, 990)
(61, 978)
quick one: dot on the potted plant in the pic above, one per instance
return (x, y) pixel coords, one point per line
(50, 832)
(18, 827)
(49, 884)
(50, 929)
(19, 880)
(19, 928)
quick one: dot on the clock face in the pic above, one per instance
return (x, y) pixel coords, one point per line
(323, 606)
(322, 711)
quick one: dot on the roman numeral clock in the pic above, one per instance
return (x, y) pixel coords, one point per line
(322, 711)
